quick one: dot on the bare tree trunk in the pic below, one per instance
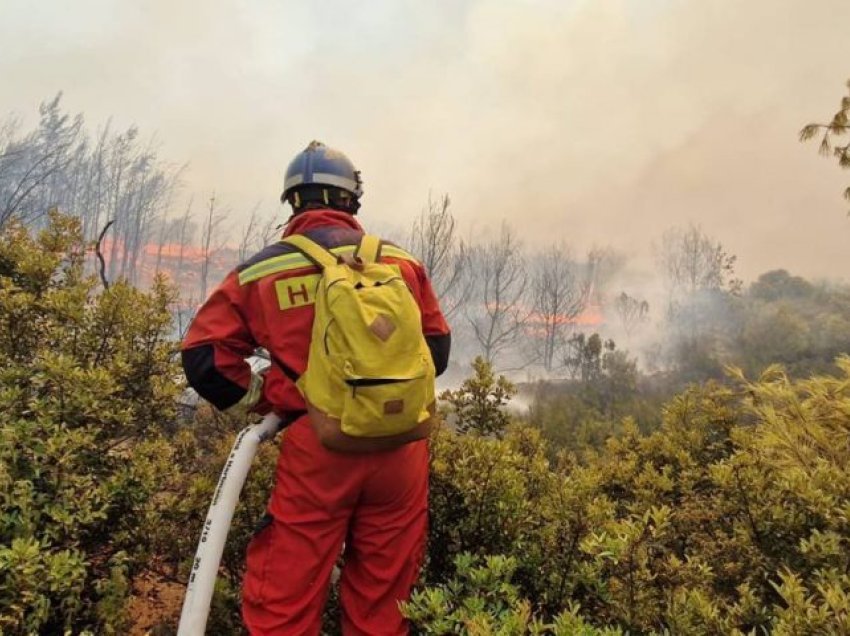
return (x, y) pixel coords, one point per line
(98, 192)
(164, 227)
(117, 160)
(498, 313)
(184, 238)
(211, 227)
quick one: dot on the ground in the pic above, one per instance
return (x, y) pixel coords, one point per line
(155, 604)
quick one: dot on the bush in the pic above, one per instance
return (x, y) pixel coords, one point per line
(732, 517)
(478, 405)
(86, 381)
(480, 600)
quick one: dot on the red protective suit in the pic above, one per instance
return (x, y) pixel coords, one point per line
(376, 503)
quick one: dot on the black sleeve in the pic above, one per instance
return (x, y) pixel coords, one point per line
(440, 346)
(212, 385)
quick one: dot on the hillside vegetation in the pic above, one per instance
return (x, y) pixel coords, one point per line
(726, 511)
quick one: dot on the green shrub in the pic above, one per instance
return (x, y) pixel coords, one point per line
(481, 600)
(732, 517)
(86, 383)
(478, 405)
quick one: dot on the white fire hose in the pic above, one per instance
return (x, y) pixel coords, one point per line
(199, 591)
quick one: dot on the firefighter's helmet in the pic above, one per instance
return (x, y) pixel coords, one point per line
(319, 175)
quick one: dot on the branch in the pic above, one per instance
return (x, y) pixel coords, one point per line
(100, 254)
(21, 196)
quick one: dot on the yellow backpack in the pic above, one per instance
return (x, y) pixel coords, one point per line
(369, 368)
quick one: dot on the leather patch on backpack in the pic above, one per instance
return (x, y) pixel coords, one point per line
(393, 407)
(382, 327)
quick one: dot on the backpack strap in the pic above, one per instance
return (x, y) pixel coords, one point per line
(318, 255)
(369, 249)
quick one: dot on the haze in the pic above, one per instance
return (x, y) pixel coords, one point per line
(596, 122)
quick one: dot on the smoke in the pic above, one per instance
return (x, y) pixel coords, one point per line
(595, 122)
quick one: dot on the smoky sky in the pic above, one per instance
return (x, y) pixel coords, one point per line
(595, 122)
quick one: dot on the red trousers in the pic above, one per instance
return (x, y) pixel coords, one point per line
(377, 504)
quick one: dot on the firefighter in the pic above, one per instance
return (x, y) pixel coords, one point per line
(374, 498)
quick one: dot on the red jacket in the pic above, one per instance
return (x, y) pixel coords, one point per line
(267, 302)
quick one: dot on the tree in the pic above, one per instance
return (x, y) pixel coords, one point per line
(113, 178)
(257, 233)
(209, 244)
(270, 230)
(185, 234)
(560, 294)
(433, 239)
(691, 260)
(584, 356)
(698, 274)
(631, 311)
(779, 284)
(32, 169)
(498, 311)
(603, 264)
(837, 127)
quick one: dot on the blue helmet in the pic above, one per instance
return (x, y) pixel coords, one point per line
(318, 165)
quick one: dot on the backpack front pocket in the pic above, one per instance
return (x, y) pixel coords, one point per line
(376, 406)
